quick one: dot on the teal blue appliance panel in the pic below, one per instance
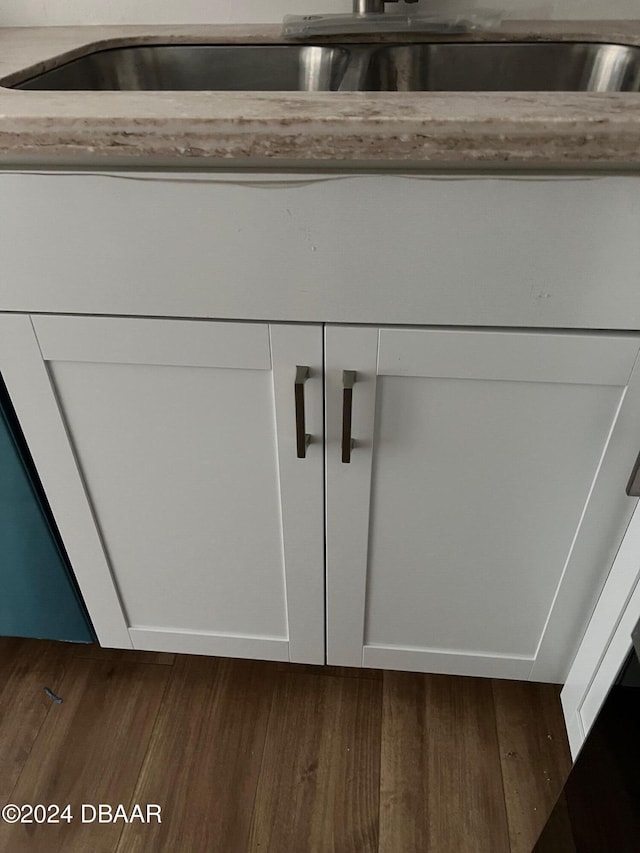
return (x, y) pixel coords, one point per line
(38, 595)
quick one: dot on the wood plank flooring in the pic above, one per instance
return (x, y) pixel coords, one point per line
(252, 757)
(441, 785)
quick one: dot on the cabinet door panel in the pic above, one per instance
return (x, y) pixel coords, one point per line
(184, 436)
(467, 477)
(488, 448)
(183, 480)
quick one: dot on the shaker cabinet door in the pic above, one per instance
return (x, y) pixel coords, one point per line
(477, 516)
(185, 438)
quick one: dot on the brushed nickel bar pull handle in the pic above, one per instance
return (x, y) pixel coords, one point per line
(633, 486)
(302, 438)
(348, 381)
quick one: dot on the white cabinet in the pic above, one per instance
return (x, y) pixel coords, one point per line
(484, 502)
(184, 436)
(485, 496)
(469, 532)
(474, 485)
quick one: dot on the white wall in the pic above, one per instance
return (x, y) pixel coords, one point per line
(65, 12)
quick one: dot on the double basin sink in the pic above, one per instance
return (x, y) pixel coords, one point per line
(438, 66)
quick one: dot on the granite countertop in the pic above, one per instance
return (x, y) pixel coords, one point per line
(307, 129)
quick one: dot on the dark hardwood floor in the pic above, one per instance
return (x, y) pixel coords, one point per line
(272, 758)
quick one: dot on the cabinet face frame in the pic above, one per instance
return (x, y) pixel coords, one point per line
(539, 357)
(28, 343)
(36, 405)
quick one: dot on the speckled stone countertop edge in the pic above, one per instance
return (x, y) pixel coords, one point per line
(494, 130)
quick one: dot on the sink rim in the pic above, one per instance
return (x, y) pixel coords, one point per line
(16, 80)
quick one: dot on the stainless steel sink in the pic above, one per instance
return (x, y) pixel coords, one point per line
(559, 66)
(436, 67)
(200, 68)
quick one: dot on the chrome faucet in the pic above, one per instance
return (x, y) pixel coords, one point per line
(373, 7)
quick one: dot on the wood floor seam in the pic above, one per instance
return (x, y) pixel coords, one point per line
(498, 741)
(134, 796)
(262, 755)
(381, 700)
